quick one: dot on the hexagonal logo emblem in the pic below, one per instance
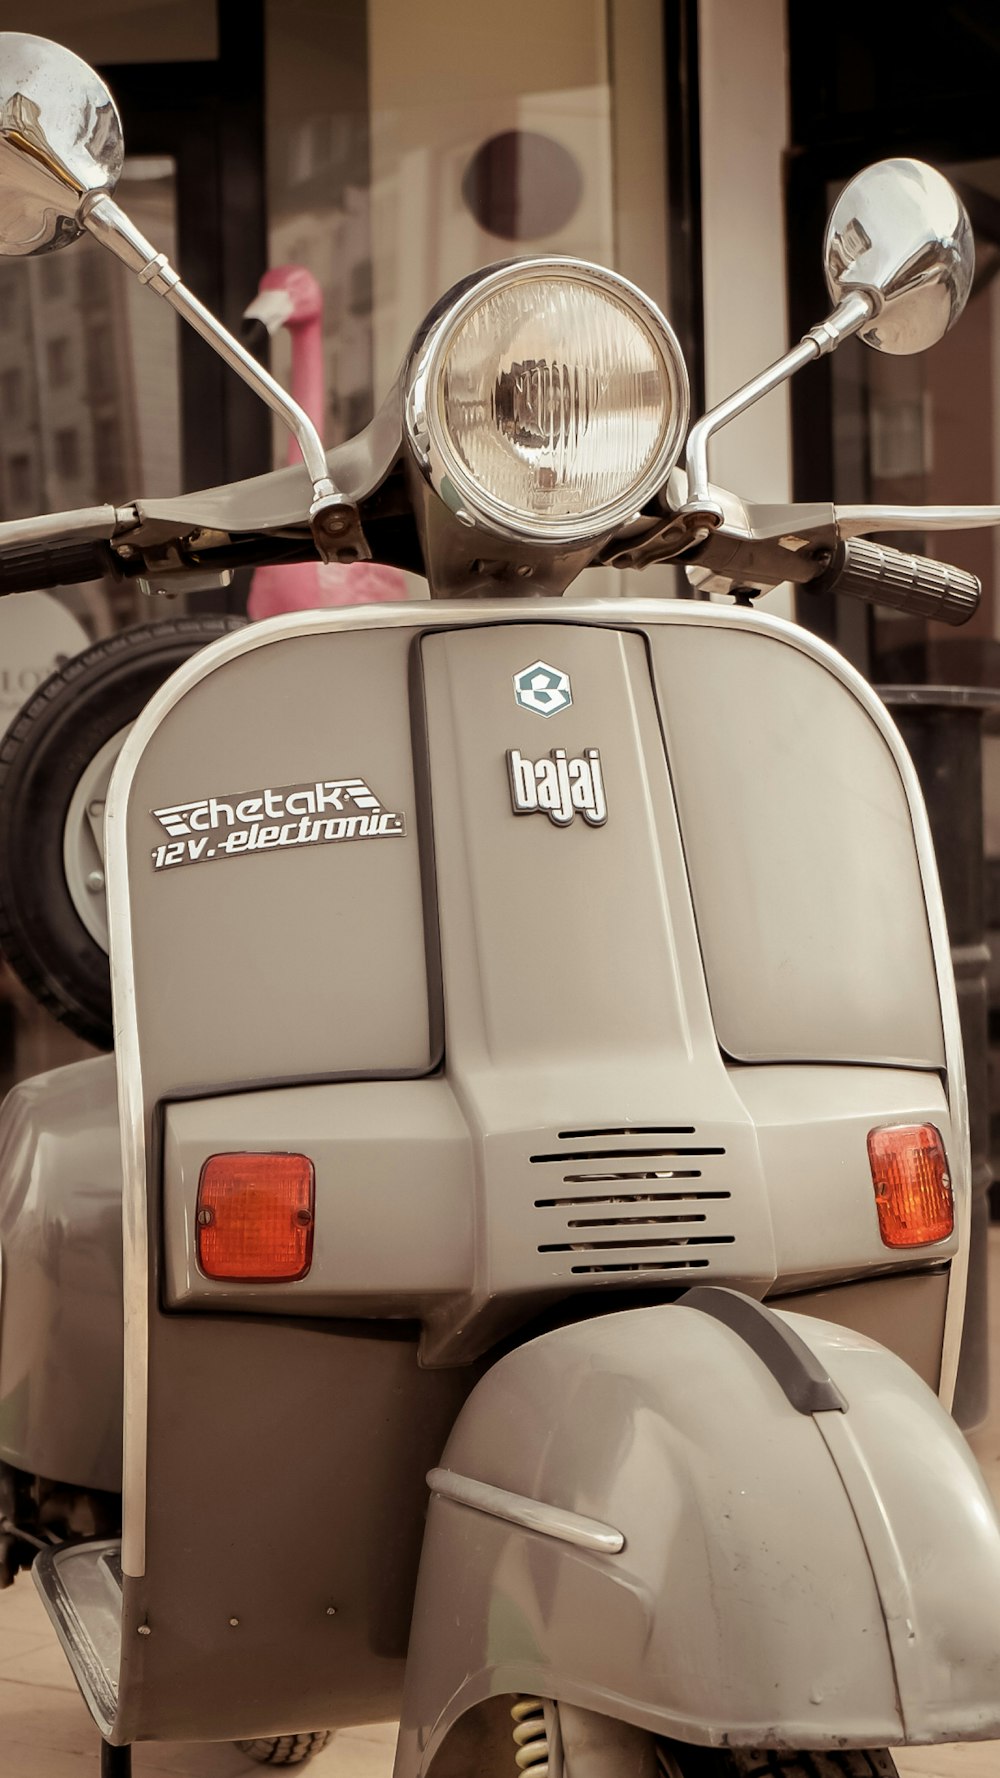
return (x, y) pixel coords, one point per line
(542, 688)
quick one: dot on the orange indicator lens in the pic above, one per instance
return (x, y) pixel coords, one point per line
(255, 1217)
(912, 1188)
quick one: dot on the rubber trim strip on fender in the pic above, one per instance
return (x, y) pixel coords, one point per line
(533, 1515)
(794, 1367)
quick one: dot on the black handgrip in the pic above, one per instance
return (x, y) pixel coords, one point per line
(37, 565)
(885, 576)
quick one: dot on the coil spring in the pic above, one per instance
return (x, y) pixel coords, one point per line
(531, 1737)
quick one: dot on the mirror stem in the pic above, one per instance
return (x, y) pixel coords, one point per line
(848, 316)
(335, 523)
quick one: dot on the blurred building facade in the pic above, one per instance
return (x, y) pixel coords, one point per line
(693, 144)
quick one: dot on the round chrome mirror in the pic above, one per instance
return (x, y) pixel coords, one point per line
(60, 138)
(900, 231)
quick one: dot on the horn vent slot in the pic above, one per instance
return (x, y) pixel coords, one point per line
(659, 1214)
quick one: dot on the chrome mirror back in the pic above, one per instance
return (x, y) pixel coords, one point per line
(900, 232)
(60, 141)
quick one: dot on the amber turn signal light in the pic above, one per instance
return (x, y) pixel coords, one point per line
(255, 1217)
(913, 1193)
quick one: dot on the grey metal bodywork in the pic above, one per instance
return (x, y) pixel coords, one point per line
(424, 1210)
(499, 930)
(61, 1298)
(786, 1579)
(809, 956)
(905, 1314)
(523, 1017)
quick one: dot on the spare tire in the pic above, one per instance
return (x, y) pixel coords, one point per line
(55, 763)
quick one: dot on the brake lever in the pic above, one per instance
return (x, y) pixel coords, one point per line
(760, 545)
(756, 545)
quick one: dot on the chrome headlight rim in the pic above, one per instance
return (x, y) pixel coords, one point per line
(472, 504)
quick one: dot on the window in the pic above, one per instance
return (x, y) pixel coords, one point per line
(100, 362)
(358, 412)
(321, 144)
(52, 275)
(19, 482)
(11, 393)
(10, 298)
(67, 452)
(360, 299)
(108, 472)
(58, 362)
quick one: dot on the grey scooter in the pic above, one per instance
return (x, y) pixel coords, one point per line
(570, 1190)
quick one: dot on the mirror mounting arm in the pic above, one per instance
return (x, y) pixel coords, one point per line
(336, 525)
(701, 513)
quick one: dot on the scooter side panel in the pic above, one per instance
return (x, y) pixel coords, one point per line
(276, 881)
(61, 1294)
(393, 1226)
(906, 1314)
(812, 1126)
(752, 1602)
(815, 939)
(283, 1532)
(192, 1423)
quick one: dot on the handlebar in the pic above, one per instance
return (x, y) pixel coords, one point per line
(38, 565)
(915, 584)
(59, 549)
(751, 548)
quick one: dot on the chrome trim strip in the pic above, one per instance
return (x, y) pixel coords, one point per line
(132, 1136)
(424, 616)
(533, 1515)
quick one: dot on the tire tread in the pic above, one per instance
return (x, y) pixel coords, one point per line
(285, 1750)
(680, 1761)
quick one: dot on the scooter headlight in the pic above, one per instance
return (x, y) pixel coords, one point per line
(549, 401)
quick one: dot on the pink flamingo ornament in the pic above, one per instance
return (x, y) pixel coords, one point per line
(289, 296)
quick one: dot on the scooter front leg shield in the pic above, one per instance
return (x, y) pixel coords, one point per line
(801, 1564)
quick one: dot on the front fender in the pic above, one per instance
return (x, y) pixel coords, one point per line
(824, 1574)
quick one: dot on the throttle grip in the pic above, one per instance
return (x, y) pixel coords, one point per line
(37, 565)
(885, 576)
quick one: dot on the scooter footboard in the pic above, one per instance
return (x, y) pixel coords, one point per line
(720, 1523)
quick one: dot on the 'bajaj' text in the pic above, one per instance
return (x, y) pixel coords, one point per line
(558, 786)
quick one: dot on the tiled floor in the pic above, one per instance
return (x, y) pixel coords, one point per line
(45, 1731)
